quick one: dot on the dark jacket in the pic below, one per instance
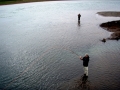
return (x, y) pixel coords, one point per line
(85, 61)
(79, 16)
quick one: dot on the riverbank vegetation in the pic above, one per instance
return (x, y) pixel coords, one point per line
(5, 2)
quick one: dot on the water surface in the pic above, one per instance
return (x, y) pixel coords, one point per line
(40, 43)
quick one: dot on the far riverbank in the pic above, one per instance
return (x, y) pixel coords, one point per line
(7, 2)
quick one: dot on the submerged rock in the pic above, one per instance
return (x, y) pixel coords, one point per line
(103, 40)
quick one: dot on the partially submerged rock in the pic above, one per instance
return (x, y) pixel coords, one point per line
(103, 40)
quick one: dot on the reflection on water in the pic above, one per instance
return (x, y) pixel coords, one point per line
(83, 83)
(78, 22)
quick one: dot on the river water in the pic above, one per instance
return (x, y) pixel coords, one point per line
(40, 45)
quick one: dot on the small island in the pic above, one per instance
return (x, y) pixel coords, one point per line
(112, 26)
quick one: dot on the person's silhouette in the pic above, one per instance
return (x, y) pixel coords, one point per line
(79, 17)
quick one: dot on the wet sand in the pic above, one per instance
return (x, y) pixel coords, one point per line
(112, 26)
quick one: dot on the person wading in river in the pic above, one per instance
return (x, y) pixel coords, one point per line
(85, 60)
(79, 17)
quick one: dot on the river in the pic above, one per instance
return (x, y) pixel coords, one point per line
(40, 45)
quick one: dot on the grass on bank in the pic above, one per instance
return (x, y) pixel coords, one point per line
(5, 2)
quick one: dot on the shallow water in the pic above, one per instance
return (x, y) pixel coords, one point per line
(40, 44)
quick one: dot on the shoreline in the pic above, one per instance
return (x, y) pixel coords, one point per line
(112, 26)
(21, 1)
